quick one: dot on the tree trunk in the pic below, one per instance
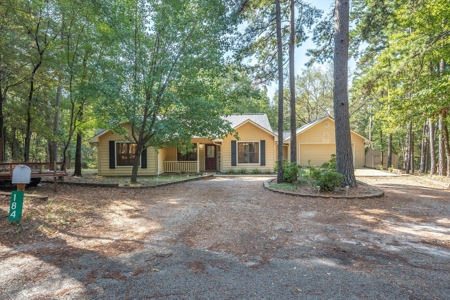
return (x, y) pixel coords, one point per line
(344, 156)
(2, 130)
(292, 82)
(441, 147)
(280, 92)
(77, 171)
(53, 145)
(447, 143)
(382, 148)
(389, 150)
(432, 150)
(137, 156)
(423, 150)
(407, 158)
(412, 153)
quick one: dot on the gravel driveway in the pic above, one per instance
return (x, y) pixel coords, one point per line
(228, 238)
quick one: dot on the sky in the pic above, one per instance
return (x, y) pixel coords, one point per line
(300, 54)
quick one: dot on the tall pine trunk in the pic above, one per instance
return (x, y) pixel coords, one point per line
(412, 153)
(389, 151)
(424, 150)
(407, 158)
(441, 146)
(432, 150)
(292, 82)
(447, 143)
(280, 92)
(382, 148)
(344, 156)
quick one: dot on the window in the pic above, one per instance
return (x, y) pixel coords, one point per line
(248, 152)
(188, 156)
(125, 154)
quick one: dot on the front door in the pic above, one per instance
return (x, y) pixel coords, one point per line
(210, 158)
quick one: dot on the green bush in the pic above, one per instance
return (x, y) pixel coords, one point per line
(242, 171)
(290, 171)
(331, 164)
(256, 171)
(329, 180)
(313, 173)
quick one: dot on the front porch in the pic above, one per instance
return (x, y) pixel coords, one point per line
(204, 157)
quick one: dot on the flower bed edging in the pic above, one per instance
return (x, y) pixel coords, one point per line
(376, 195)
(116, 185)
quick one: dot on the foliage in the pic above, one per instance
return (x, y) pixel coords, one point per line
(326, 176)
(329, 180)
(331, 164)
(290, 170)
(256, 171)
(241, 171)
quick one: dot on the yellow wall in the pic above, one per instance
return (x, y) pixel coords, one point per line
(249, 133)
(103, 158)
(320, 135)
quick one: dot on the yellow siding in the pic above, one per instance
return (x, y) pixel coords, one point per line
(325, 136)
(103, 158)
(248, 133)
(317, 154)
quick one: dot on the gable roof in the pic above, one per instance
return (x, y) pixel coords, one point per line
(312, 123)
(239, 119)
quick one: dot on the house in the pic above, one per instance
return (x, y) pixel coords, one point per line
(256, 148)
(316, 143)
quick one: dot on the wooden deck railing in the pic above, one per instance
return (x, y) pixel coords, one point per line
(37, 169)
(180, 166)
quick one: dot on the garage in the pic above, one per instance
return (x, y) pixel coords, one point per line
(316, 153)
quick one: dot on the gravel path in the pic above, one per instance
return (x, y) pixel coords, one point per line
(228, 238)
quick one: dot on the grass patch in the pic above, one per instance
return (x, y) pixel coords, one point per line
(285, 186)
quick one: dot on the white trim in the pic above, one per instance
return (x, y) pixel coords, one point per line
(248, 164)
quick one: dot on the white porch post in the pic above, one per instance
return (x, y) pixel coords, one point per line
(198, 160)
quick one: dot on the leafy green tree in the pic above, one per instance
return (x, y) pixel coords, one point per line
(164, 81)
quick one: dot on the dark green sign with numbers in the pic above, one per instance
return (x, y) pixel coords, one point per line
(15, 206)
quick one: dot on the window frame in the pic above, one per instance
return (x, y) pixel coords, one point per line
(117, 154)
(189, 152)
(244, 163)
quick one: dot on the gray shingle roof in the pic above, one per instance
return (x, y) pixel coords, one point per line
(260, 119)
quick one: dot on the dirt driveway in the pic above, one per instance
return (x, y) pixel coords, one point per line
(228, 238)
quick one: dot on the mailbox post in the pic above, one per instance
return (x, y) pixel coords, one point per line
(21, 176)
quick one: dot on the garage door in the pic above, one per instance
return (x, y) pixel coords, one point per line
(316, 153)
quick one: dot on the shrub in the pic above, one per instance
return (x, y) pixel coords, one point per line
(313, 173)
(329, 180)
(241, 171)
(331, 164)
(256, 171)
(290, 171)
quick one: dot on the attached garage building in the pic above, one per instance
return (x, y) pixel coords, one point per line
(316, 143)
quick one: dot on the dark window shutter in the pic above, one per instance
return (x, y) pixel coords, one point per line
(233, 153)
(112, 155)
(262, 145)
(144, 159)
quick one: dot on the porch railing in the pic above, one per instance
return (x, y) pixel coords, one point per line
(181, 166)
